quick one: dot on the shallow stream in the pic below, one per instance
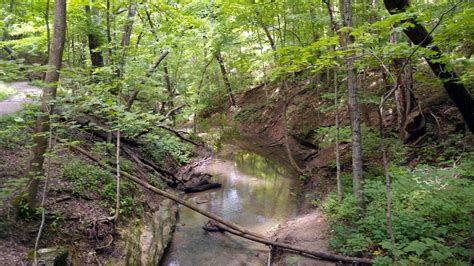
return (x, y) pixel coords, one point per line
(258, 193)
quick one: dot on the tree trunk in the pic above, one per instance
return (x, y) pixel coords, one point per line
(168, 86)
(220, 60)
(46, 22)
(420, 36)
(388, 188)
(334, 25)
(109, 35)
(127, 31)
(5, 47)
(346, 11)
(126, 35)
(40, 141)
(268, 34)
(8, 49)
(338, 160)
(94, 40)
(364, 107)
(404, 98)
(270, 38)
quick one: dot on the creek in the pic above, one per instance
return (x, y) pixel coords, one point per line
(258, 192)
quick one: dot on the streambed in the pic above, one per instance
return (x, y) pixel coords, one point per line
(258, 193)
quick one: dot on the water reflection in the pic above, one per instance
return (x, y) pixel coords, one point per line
(256, 194)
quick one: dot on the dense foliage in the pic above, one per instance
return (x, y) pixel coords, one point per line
(432, 216)
(146, 68)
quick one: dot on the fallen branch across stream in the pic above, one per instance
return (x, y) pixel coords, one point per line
(216, 227)
(223, 224)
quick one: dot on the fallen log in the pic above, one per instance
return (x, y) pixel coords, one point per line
(229, 226)
(212, 226)
(201, 186)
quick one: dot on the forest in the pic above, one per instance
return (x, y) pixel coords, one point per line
(257, 132)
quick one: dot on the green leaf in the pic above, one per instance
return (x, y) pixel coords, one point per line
(416, 246)
(19, 119)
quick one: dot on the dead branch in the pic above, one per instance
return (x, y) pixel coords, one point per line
(95, 126)
(149, 73)
(172, 111)
(170, 182)
(158, 169)
(179, 134)
(66, 198)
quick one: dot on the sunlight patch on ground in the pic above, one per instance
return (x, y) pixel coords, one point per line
(5, 91)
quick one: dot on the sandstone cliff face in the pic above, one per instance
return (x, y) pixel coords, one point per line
(144, 243)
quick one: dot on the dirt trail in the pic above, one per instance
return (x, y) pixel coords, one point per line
(308, 231)
(14, 103)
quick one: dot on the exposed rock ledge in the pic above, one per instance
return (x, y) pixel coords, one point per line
(145, 242)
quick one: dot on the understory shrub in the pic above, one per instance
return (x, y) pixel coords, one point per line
(432, 217)
(5, 91)
(14, 128)
(162, 147)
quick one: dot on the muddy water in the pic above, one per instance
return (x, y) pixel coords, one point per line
(258, 193)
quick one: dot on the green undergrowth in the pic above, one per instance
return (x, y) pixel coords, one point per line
(5, 91)
(14, 137)
(86, 179)
(432, 214)
(14, 128)
(250, 113)
(10, 70)
(165, 147)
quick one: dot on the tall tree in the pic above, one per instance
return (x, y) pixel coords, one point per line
(94, 38)
(225, 77)
(346, 12)
(40, 141)
(7, 48)
(418, 34)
